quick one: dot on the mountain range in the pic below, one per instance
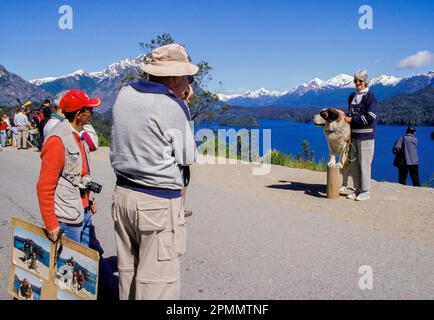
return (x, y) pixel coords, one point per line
(333, 92)
(13, 87)
(105, 84)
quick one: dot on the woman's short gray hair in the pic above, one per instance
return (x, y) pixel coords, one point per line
(362, 74)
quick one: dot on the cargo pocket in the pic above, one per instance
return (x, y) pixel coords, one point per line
(153, 215)
(73, 165)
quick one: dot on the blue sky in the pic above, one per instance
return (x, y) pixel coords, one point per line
(276, 44)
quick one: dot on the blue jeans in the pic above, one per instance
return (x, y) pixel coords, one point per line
(83, 233)
(3, 138)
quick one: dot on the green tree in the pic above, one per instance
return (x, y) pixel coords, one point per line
(103, 141)
(307, 154)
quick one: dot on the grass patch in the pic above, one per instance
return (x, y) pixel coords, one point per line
(287, 160)
(243, 151)
(429, 183)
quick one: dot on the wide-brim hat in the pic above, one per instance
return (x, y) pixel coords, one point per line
(170, 60)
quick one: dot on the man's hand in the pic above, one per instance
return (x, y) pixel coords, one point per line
(188, 94)
(92, 206)
(348, 119)
(54, 234)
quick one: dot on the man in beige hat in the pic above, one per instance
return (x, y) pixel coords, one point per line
(152, 146)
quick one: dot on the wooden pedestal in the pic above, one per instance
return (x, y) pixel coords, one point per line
(333, 182)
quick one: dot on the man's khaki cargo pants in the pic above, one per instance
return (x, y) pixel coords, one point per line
(150, 237)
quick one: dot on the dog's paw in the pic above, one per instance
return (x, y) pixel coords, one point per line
(331, 163)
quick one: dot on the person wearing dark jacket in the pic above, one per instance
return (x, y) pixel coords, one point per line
(363, 119)
(46, 111)
(409, 144)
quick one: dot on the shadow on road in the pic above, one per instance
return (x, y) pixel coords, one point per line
(108, 284)
(314, 190)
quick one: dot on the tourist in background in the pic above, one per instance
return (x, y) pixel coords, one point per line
(23, 125)
(407, 159)
(8, 130)
(14, 130)
(45, 115)
(56, 117)
(90, 137)
(3, 131)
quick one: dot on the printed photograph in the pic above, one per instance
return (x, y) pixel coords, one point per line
(26, 286)
(64, 295)
(77, 273)
(31, 252)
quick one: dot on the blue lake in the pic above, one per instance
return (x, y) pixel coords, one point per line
(287, 136)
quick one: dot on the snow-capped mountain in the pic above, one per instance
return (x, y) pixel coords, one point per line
(41, 81)
(104, 84)
(340, 81)
(261, 96)
(332, 92)
(226, 97)
(112, 70)
(385, 81)
(313, 84)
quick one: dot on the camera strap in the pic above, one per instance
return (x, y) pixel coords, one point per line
(58, 247)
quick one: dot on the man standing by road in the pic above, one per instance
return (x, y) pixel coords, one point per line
(152, 146)
(63, 188)
(23, 125)
(4, 127)
(63, 201)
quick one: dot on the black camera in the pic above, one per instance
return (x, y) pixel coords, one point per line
(86, 183)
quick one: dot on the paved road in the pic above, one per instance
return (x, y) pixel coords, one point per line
(247, 246)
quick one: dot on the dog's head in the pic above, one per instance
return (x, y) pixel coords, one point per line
(318, 120)
(331, 115)
(327, 116)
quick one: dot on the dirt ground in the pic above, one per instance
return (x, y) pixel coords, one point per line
(402, 211)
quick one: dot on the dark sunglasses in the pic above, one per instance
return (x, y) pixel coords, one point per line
(358, 81)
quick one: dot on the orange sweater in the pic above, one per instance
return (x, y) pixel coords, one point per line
(53, 160)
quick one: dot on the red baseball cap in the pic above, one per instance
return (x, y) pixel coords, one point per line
(74, 100)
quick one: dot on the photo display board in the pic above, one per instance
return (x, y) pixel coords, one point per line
(42, 270)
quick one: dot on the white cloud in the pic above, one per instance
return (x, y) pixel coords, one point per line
(417, 60)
